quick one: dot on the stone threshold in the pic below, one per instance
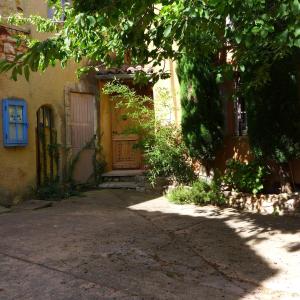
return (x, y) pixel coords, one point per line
(118, 185)
(123, 173)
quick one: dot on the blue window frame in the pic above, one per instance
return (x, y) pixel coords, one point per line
(15, 122)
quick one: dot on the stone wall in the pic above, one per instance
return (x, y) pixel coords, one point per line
(280, 204)
(8, 43)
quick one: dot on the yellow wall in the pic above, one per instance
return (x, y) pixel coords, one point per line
(171, 85)
(105, 126)
(18, 165)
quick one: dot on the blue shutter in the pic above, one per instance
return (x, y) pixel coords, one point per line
(15, 122)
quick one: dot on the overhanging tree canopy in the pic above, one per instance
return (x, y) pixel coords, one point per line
(256, 32)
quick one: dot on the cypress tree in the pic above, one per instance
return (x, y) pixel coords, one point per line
(202, 114)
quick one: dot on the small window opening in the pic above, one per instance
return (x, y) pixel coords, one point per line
(240, 113)
(241, 125)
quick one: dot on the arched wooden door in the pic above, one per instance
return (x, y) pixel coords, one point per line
(47, 148)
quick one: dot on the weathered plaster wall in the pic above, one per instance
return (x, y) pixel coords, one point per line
(171, 85)
(18, 165)
(105, 126)
(9, 6)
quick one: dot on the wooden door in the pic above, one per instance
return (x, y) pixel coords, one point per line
(126, 155)
(82, 130)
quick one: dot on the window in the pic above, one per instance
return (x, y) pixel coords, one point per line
(15, 124)
(241, 126)
(240, 113)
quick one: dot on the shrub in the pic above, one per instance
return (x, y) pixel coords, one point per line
(245, 177)
(200, 193)
(180, 195)
(167, 157)
(56, 191)
(207, 193)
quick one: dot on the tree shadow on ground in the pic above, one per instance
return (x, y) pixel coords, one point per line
(209, 237)
(266, 223)
(139, 246)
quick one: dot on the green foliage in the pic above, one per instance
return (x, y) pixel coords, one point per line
(138, 108)
(181, 195)
(273, 113)
(167, 156)
(245, 177)
(200, 193)
(165, 153)
(258, 33)
(56, 191)
(202, 117)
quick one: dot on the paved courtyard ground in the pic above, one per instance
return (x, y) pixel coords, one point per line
(127, 245)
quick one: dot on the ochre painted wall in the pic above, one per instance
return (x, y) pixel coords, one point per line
(18, 165)
(105, 126)
(171, 86)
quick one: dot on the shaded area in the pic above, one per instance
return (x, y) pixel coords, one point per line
(121, 244)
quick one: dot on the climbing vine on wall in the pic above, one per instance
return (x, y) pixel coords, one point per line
(99, 163)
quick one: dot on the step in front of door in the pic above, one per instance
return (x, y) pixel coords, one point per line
(119, 185)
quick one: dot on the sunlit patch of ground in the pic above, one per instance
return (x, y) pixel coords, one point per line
(127, 245)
